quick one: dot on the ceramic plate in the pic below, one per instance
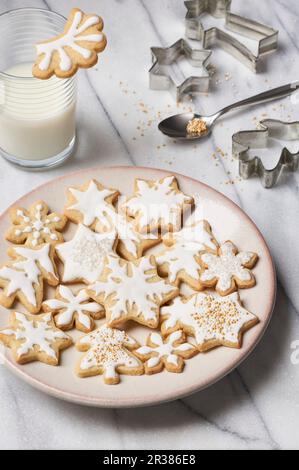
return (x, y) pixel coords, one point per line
(229, 222)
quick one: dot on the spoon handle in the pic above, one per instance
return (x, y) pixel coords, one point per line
(269, 95)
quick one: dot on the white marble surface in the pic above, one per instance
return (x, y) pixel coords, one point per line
(257, 406)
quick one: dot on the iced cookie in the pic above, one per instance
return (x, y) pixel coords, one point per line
(35, 226)
(73, 309)
(131, 244)
(84, 256)
(34, 338)
(78, 46)
(132, 291)
(89, 204)
(180, 261)
(169, 353)
(213, 321)
(108, 353)
(24, 276)
(228, 270)
(157, 205)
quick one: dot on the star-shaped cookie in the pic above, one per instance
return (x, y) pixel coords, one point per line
(88, 204)
(35, 226)
(157, 204)
(180, 261)
(23, 278)
(169, 353)
(73, 309)
(34, 338)
(213, 321)
(132, 291)
(85, 255)
(228, 269)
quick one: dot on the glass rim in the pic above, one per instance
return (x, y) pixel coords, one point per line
(35, 9)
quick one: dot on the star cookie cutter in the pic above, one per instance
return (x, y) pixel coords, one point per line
(266, 36)
(244, 141)
(165, 56)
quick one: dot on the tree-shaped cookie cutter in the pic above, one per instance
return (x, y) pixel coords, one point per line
(244, 141)
(266, 36)
(166, 56)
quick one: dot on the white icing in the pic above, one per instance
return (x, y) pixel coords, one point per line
(72, 305)
(84, 256)
(108, 351)
(209, 317)
(92, 203)
(129, 286)
(164, 350)
(37, 225)
(35, 331)
(183, 256)
(23, 274)
(157, 203)
(70, 39)
(226, 266)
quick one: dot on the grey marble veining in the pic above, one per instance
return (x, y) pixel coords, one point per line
(256, 406)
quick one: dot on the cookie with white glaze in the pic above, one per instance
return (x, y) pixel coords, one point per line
(34, 338)
(167, 352)
(180, 260)
(90, 203)
(84, 256)
(229, 269)
(77, 47)
(132, 291)
(35, 226)
(23, 277)
(108, 354)
(73, 309)
(212, 321)
(157, 204)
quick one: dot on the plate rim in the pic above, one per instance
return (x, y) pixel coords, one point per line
(88, 400)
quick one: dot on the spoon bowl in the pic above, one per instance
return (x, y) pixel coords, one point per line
(176, 126)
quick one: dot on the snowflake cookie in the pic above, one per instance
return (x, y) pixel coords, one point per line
(168, 353)
(78, 46)
(157, 204)
(228, 269)
(132, 291)
(35, 226)
(181, 260)
(213, 321)
(85, 256)
(89, 204)
(34, 338)
(23, 277)
(108, 353)
(73, 309)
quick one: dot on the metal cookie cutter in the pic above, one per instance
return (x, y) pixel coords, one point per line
(266, 36)
(165, 56)
(244, 141)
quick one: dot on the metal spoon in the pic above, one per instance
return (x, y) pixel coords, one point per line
(176, 126)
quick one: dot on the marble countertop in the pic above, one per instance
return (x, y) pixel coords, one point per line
(257, 405)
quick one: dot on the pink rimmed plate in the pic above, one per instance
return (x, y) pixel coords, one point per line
(228, 222)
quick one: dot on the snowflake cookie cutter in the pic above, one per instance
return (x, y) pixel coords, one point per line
(244, 141)
(266, 36)
(163, 56)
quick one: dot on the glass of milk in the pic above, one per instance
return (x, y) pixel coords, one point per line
(37, 117)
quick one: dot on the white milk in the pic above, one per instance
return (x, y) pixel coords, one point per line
(37, 117)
